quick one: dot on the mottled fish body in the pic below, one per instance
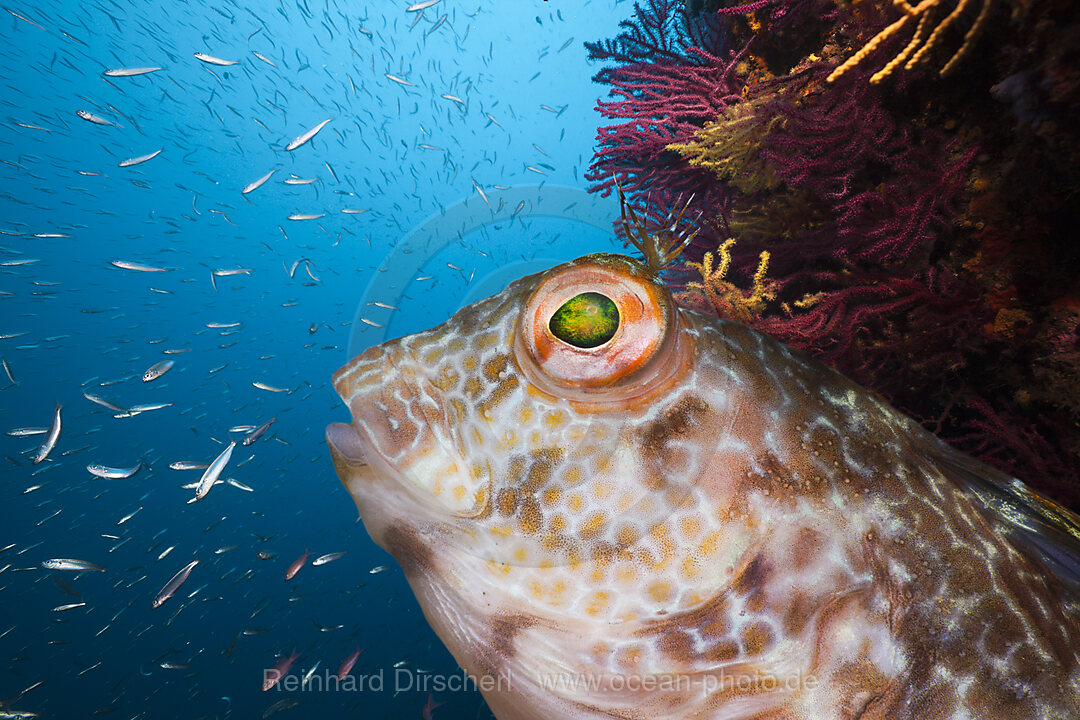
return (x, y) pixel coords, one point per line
(581, 479)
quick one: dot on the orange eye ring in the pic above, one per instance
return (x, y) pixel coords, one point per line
(646, 315)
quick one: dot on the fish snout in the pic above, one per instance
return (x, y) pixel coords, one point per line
(346, 448)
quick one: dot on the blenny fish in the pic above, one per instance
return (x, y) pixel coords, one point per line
(609, 506)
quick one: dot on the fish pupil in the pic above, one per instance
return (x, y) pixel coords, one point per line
(586, 320)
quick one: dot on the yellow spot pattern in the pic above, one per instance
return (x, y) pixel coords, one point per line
(597, 604)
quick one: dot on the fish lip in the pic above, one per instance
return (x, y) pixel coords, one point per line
(349, 446)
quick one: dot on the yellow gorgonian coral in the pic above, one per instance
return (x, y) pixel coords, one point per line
(731, 148)
(933, 22)
(728, 300)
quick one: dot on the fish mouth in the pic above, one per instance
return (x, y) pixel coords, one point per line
(347, 448)
(376, 489)
(353, 461)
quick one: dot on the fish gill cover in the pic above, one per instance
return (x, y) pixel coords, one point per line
(890, 187)
(204, 205)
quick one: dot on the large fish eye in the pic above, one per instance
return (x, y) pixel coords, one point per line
(599, 324)
(586, 320)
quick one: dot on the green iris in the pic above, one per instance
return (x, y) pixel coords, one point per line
(586, 320)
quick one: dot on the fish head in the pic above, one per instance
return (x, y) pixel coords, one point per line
(545, 450)
(523, 430)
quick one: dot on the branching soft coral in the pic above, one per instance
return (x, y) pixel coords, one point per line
(717, 294)
(1017, 444)
(673, 73)
(661, 31)
(829, 145)
(887, 189)
(883, 330)
(731, 148)
(933, 23)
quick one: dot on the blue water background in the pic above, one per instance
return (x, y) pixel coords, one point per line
(91, 327)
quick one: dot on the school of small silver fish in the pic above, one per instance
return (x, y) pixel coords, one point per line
(194, 195)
